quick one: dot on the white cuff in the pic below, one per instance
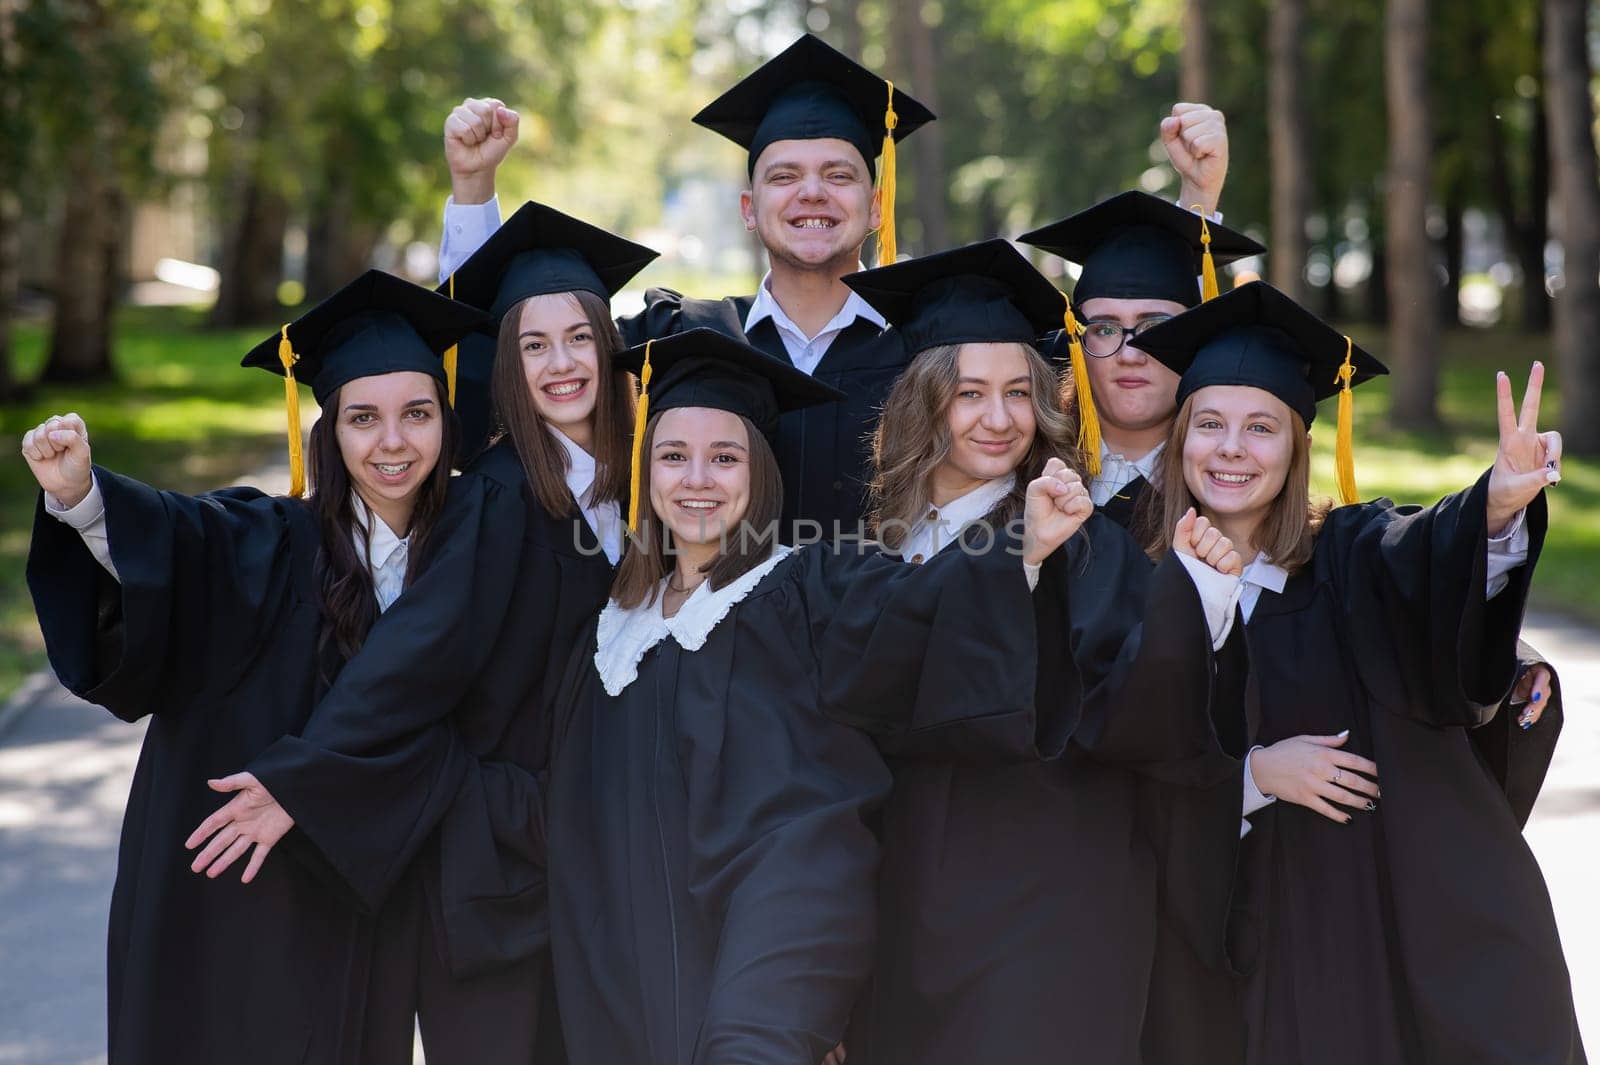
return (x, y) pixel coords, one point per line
(1254, 798)
(90, 509)
(1030, 570)
(89, 519)
(466, 227)
(1214, 216)
(1219, 596)
(1506, 552)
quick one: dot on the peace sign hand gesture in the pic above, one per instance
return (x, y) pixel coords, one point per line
(1528, 461)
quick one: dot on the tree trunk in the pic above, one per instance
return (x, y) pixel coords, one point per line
(1452, 245)
(1570, 109)
(1194, 62)
(10, 261)
(1290, 147)
(933, 209)
(1413, 325)
(86, 274)
(252, 256)
(339, 245)
(1530, 249)
(10, 203)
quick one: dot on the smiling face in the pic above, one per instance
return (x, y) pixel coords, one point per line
(1134, 395)
(812, 204)
(390, 431)
(560, 363)
(990, 419)
(700, 473)
(1237, 450)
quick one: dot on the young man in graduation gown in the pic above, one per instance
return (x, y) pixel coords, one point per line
(813, 122)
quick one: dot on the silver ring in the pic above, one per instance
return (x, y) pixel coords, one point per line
(1337, 774)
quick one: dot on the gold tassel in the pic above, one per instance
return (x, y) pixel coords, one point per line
(886, 186)
(641, 415)
(1344, 459)
(291, 393)
(1208, 266)
(1088, 417)
(450, 356)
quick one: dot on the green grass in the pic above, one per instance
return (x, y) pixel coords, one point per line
(182, 415)
(1419, 467)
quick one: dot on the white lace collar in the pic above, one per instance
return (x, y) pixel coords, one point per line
(624, 636)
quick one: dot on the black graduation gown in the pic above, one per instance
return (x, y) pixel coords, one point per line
(1192, 1011)
(1424, 931)
(823, 451)
(212, 634)
(711, 847)
(421, 760)
(1017, 905)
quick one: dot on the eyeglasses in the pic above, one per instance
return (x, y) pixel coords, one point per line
(1104, 338)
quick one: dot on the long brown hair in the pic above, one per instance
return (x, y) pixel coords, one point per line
(639, 577)
(544, 461)
(349, 605)
(1288, 534)
(912, 438)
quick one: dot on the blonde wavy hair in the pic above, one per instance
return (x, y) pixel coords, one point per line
(912, 439)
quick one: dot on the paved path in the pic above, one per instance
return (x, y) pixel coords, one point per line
(65, 767)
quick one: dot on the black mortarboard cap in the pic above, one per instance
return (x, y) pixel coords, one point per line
(981, 293)
(1138, 246)
(709, 368)
(376, 324)
(539, 251)
(807, 92)
(1255, 335)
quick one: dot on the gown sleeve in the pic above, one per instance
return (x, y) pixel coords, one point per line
(1436, 649)
(1518, 759)
(782, 853)
(203, 580)
(941, 661)
(380, 764)
(1157, 696)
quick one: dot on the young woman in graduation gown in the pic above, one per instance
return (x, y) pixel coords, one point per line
(1386, 908)
(415, 778)
(220, 618)
(711, 849)
(1018, 894)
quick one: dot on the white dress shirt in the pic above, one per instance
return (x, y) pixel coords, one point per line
(385, 557)
(605, 518)
(1117, 471)
(806, 352)
(466, 227)
(1220, 594)
(942, 526)
(383, 553)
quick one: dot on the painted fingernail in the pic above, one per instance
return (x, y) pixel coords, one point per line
(1537, 696)
(1371, 806)
(1525, 724)
(1553, 476)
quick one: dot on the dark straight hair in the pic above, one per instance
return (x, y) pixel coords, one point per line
(349, 606)
(544, 461)
(647, 561)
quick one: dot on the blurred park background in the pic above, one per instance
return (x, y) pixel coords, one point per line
(177, 176)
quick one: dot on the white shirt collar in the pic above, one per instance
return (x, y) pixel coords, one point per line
(766, 306)
(1145, 464)
(580, 467)
(941, 526)
(381, 540)
(624, 637)
(1264, 573)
